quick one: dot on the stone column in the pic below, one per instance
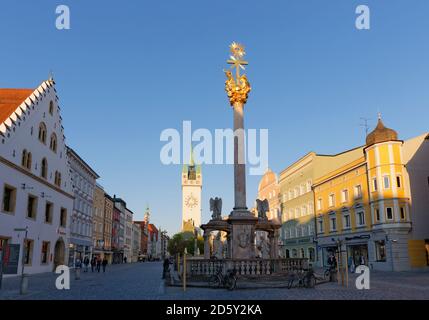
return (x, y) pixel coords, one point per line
(206, 245)
(239, 158)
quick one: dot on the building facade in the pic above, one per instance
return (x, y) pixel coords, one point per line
(297, 202)
(117, 250)
(35, 183)
(84, 180)
(128, 251)
(98, 222)
(136, 241)
(108, 227)
(375, 208)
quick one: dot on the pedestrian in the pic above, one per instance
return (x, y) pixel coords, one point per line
(166, 268)
(104, 263)
(98, 264)
(93, 263)
(78, 263)
(86, 263)
(351, 265)
(125, 259)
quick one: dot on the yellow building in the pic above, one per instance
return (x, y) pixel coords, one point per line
(368, 208)
(297, 201)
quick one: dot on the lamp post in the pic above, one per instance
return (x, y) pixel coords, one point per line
(24, 279)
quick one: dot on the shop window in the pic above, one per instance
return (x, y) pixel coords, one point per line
(9, 199)
(380, 250)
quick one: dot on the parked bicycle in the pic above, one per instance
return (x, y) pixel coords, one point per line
(227, 281)
(302, 279)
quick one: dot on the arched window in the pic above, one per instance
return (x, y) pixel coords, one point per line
(42, 132)
(24, 158)
(58, 178)
(51, 107)
(53, 143)
(44, 168)
(29, 159)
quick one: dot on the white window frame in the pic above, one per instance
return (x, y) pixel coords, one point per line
(386, 178)
(358, 224)
(331, 200)
(344, 195)
(393, 216)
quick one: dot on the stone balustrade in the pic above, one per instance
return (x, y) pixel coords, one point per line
(247, 267)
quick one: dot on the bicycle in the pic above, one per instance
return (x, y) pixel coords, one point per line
(302, 279)
(227, 281)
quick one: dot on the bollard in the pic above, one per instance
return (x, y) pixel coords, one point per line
(24, 284)
(77, 274)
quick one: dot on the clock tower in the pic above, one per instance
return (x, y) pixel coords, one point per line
(191, 195)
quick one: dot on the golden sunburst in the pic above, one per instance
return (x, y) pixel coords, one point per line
(237, 50)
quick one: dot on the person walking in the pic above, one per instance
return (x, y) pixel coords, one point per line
(98, 264)
(104, 263)
(86, 263)
(93, 263)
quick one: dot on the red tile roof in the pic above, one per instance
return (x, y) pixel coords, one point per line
(10, 99)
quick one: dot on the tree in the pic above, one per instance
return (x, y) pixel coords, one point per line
(182, 240)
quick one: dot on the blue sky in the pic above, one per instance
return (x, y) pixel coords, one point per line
(129, 69)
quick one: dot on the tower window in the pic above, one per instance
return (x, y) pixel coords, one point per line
(402, 213)
(374, 184)
(386, 181)
(398, 181)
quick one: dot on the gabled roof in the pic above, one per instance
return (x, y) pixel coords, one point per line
(10, 100)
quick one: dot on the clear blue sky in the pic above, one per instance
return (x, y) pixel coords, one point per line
(129, 69)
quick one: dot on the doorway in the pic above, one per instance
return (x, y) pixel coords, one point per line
(59, 253)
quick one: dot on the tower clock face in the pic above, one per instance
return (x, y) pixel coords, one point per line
(191, 201)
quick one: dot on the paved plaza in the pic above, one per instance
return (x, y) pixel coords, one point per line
(143, 281)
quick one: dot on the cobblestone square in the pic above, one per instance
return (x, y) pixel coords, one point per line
(142, 281)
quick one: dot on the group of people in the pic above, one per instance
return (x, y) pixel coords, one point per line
(96, 264)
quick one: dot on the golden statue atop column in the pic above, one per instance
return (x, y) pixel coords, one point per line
(238, 88)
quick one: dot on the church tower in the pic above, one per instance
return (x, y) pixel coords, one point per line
(191, 195)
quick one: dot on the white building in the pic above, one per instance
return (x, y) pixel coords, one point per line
(84, 181)
(35, 182)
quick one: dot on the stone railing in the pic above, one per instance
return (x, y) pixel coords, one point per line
(248, 267)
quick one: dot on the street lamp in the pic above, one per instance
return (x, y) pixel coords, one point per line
(24, 283)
